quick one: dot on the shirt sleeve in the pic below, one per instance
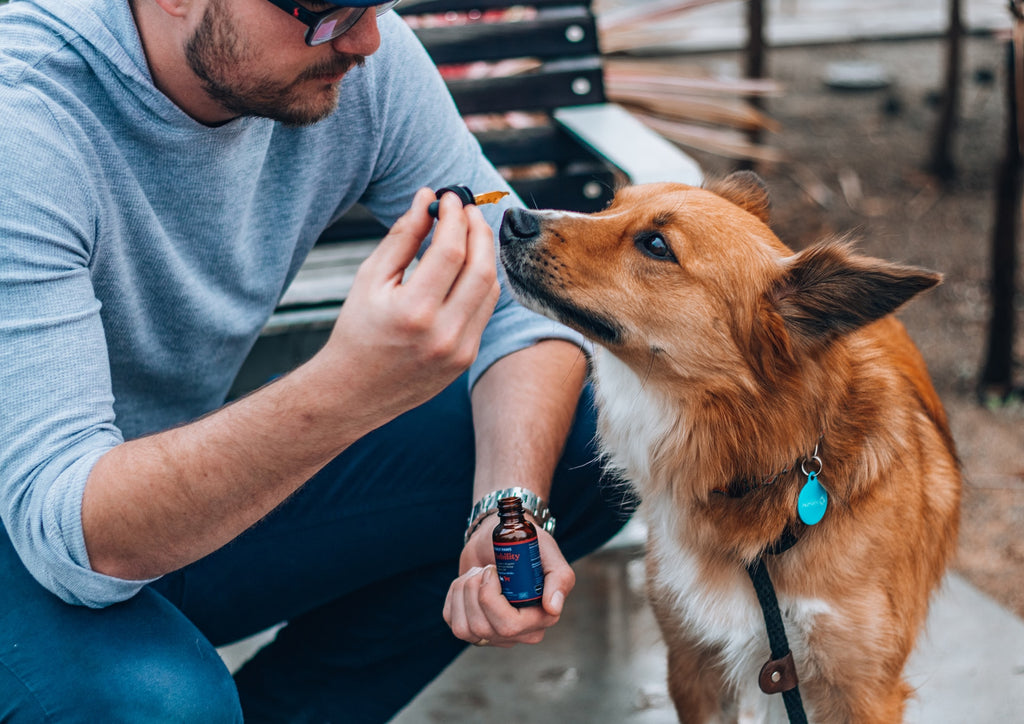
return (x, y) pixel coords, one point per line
(55, 389)
(424, 142)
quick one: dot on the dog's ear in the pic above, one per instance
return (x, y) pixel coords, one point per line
(745, 189)
(769, 350)
(827, 290)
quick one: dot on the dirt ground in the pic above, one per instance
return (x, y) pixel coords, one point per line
(861, 155)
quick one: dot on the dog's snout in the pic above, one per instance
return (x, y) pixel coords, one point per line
(519, 225)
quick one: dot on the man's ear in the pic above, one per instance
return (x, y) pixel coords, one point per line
(745, 189)
(175, 8)
(827, 290)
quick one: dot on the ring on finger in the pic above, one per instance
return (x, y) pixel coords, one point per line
(482, 642)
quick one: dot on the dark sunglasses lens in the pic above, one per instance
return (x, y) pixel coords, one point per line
(334, 25)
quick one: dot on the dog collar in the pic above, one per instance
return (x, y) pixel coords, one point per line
(739, 487)
(813, 499)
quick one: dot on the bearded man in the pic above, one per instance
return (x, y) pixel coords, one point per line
(165, 167)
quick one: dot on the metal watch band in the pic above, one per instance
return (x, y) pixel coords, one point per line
(532, 504)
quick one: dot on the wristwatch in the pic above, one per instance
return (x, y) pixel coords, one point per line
(532, 504)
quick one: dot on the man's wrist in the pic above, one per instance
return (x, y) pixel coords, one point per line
(478, 523)
(533, 505)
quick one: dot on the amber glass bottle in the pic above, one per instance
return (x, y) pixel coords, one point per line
(517, 555)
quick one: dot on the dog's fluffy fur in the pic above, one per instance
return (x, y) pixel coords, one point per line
(723, 361)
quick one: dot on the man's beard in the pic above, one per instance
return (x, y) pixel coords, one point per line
(226, 67)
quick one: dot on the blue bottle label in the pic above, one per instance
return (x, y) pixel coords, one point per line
(520, 572)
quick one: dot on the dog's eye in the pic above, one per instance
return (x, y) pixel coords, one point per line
(654, 246)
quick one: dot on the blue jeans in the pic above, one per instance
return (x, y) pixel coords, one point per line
(358, 563)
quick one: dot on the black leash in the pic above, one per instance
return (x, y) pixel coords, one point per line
(779, 674)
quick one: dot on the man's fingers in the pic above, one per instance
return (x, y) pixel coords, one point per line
(397, 250)
(454, 607)
(462, 608)
(476, 610)
(559, 578)
(478, 280)
(511, 624)
(445, 260)
(476, 288)
(476, 619)
(447, 609)
(474, 328)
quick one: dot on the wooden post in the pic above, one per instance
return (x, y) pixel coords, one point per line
(755, 39)
(997, 373)
(755, 61)
(941, 163)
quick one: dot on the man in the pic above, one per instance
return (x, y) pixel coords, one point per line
(165, 165)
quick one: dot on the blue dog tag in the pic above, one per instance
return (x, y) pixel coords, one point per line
(813, 500)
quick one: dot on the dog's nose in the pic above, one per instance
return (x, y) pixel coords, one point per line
(518, 225)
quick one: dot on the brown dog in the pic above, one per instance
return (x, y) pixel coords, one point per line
(729, 372)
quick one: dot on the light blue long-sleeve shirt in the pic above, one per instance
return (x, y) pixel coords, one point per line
(141, 252)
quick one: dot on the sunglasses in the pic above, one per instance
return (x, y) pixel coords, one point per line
(330, 24)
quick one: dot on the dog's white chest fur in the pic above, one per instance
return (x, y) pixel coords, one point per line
(634, 424)
(632, 420)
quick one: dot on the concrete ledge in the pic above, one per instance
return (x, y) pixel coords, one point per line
(969, 665)
(605, 663)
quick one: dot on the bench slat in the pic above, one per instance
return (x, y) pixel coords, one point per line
(431, 7)
(552, 85)
(327, 274)
(525, 146)
(567, 32)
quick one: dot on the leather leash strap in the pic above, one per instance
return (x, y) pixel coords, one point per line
(779, 674)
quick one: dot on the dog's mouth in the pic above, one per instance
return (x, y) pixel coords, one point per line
(541, 300)
(525, 275)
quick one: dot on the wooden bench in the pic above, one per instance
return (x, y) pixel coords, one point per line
(573, 152)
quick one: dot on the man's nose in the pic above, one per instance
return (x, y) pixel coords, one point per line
(363, 38)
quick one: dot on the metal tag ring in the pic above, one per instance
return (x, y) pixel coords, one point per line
(803, 466)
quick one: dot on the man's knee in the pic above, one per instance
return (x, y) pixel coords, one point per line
(129, 689)
(171, 689)
(136, 661)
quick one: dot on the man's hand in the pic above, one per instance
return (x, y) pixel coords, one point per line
(523, 409)
(403, 341)
(160, 502)
(477, 612)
